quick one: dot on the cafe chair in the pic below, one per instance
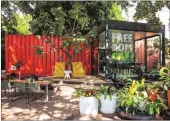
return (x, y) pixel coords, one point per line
(35, 92)
(22, 89)
(7, 88)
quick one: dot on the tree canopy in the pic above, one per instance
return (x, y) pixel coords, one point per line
(147, 10)
(19, 24)
(71, 19)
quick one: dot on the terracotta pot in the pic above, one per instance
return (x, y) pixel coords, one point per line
(168, 94)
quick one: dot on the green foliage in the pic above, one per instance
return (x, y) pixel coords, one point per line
(115, 12)
(22, 24)
(49, 23)
(106, 91)
(68, 17)
(141, 98)
(123, 56)
(19, 24)
(147, 10)
(84, 93)
(38, 50)
(165, 74)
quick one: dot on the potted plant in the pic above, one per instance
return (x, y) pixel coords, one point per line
(108, 99)
(88, 104)
(18, 65)
(140, 101)
(165, 75)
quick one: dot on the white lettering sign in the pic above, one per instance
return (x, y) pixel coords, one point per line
(120, 37)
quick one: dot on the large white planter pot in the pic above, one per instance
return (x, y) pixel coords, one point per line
(88, 106)
(108, 106)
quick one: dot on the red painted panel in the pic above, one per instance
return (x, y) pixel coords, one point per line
(20, 47)
(141, 35)
(139, 52)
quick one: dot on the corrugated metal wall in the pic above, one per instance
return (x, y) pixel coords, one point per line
(140, 52)
(20, 47)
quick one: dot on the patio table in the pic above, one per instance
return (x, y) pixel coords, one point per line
(46, 84)
(23, 81)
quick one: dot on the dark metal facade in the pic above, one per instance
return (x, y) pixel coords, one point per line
(130, 26)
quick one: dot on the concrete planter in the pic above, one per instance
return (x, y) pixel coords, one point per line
(108, 106)
(88, 106)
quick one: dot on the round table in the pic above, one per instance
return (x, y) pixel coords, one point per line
(67, 74)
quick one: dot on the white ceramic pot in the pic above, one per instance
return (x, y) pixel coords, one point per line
(108, 106)
(88, 106)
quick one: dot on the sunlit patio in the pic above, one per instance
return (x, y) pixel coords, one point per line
(61, 104)
(85, 60)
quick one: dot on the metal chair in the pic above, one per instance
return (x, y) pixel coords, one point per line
(35, 92)
(22, 89)
(6, 86)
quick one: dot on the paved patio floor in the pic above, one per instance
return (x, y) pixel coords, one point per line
(61, 104)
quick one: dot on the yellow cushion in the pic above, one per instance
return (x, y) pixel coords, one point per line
(59, 69)
(78, 70)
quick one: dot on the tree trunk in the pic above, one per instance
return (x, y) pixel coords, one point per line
(69, 63)
(69, 66)
(69, 56)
